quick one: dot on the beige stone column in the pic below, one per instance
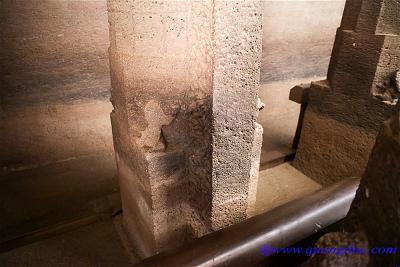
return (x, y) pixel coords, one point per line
(236, 72)
(185, 78)
(345, 111)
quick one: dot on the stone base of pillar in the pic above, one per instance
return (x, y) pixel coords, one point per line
(373, 218)
(338, 133)
(345, 112)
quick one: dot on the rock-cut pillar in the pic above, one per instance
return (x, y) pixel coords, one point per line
(185, 78)
(345, 112)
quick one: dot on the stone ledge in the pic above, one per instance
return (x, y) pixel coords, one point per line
(299, 93)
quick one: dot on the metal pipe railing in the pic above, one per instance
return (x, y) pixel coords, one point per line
(239, 245)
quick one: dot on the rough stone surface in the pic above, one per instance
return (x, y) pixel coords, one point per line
(375, 209)
(56, 155)
(340, 240)
(299, 93)
(345, 112)
(237, 56)
(184, 130)
(374, 216)
(255, 167)
(295, 50)
(160, 57)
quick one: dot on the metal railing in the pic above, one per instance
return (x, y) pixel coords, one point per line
(239, 245)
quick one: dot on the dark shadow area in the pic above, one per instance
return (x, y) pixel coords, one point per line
(57, 159)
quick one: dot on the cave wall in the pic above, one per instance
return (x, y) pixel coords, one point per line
(298, 38)
(56, 153)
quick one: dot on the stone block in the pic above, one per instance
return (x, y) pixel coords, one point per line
(185, 87)
(374, 210)
(299, 93)
(345, 112)
(372, 222)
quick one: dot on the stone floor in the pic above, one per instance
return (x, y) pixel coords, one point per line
(56, 163)
(279, 119)
(281, 184)
(98, 244)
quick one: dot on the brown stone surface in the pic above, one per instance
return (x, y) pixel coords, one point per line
(183, 128)
(373, 218)
(299, 93)
(161, 78)
(53, 52)
(279, 119)
(345, 112)
(338, 240)
(254, 168)
(295, 50)
(375, 209)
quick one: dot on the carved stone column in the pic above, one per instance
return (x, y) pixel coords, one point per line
(185, 77)
(373, 219)
(345, 111)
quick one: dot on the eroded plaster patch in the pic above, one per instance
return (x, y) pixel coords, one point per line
(155, 117)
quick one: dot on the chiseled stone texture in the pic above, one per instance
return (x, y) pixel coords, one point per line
(374, 216)
(185, 78)
(237, 56)
(345, 112)
(161, 72)
(376, 206)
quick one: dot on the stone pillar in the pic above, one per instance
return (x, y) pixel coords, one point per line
(373, 219)
(345, 111)
(375, 209)
(236, 74)
(185, 78)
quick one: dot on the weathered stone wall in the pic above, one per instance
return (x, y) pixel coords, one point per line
(185, 79)
(345, 112)
(297, 38)
(373, 219)
(56, 153)
(53, 52)
(375, 210)
(297, 44)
